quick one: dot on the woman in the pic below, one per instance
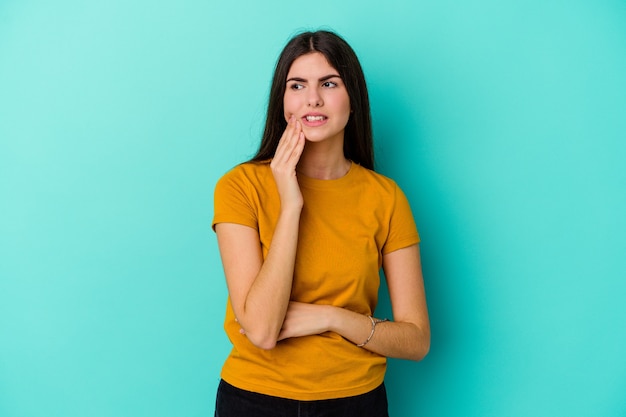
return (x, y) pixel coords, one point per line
(303, 230)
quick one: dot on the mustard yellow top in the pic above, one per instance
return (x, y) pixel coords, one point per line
(346, 225)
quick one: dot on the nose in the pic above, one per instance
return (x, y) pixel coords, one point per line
(314, 98)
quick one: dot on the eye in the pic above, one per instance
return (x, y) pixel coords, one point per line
(296, 86)
(329, 84)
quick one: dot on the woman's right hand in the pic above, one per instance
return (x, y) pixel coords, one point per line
(284, 164)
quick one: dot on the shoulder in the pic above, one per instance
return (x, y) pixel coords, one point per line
(375, 181)
(249, 169)
(239, 192)
(246, 174)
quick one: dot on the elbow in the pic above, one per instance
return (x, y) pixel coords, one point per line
(422, 346)
(420, 351)
(261, 334)
(262, 341)
(267, 344)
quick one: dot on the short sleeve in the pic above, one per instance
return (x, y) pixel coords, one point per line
(232, 201)
(402, 229)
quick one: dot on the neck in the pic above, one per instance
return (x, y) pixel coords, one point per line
(324, 163)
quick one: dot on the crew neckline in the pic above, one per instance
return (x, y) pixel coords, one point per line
(310, 182)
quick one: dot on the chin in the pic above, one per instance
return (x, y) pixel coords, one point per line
(316, 137)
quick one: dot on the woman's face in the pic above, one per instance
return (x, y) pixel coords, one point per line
(317, 97)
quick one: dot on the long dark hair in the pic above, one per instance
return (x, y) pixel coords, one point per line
(358, 143)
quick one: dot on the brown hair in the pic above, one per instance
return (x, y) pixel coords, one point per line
(358, 142)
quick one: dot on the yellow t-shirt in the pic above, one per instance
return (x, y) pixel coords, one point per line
(346, 225)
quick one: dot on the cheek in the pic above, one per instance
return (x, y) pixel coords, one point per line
(344, 103)
(289, 105)
(346, 108)
(288, 111)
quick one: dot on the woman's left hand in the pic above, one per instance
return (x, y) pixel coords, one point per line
(304, 319)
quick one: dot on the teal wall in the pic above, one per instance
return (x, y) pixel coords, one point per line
(504, 121)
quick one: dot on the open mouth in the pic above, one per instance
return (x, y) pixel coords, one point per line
(315, 118)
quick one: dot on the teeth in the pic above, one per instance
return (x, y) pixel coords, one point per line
(314, 118)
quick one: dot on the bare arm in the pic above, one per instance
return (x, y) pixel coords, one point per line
(259, 289)
(407, 337)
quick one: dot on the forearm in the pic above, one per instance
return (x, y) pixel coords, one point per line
(397, 339)
(267, 300)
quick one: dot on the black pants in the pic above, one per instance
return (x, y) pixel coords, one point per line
(235, 402)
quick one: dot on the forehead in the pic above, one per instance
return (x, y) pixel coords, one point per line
(311, 65)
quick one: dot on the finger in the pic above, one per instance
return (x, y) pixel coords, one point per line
(291, 125)
(284, 139)
(296, 152)
(289, 142)
(291, 132)
(292, 139)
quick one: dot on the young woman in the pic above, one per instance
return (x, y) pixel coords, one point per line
(303, 230)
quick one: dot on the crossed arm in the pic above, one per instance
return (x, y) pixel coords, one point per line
(260, 291)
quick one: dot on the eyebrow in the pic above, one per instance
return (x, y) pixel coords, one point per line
(324, 78)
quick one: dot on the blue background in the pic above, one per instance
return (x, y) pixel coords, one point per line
(504, 122)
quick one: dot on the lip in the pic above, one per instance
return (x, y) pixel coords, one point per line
(314, 123)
